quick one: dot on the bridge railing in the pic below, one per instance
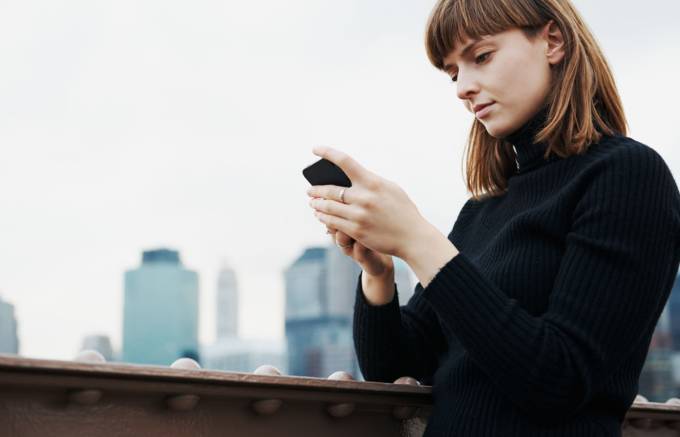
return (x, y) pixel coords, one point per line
(89, 397)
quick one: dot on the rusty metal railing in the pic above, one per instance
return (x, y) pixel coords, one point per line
(89, 397)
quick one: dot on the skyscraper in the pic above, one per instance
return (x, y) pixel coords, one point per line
(9, 340)
(230, 352)
(402, 277)
(227, 304)
(160, 315)
(673, 306)
(656, 377)
(305, 284)
(320, 290)
(341, 273)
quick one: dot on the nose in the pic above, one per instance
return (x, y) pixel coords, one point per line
(467, 87)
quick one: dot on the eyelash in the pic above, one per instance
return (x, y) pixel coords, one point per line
(454, 78)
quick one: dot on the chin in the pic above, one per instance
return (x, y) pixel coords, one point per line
(495, 130)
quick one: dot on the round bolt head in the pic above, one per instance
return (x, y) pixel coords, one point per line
(267, 407)
(340, 375)
(182, 402)
(185, 363)
(267, 369)
(90, 356)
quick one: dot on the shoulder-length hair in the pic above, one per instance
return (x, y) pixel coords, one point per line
(583, 103)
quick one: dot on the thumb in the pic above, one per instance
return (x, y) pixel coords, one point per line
(354, 171)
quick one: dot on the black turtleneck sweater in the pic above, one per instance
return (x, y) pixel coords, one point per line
(541, 324)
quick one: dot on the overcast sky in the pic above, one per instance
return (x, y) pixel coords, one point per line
(129, 125)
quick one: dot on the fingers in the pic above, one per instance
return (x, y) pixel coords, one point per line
(346, 244)
(354, 170)
(331, 192)
(336, 222)
(338, 209)
(343, 239)
(340, 238)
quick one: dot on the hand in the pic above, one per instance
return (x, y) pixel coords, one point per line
(372, 262)
(376, 212)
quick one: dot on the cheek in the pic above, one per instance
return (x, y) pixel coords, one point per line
(523, 86)
(526, 81)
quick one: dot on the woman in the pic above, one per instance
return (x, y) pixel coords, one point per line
(533, 317)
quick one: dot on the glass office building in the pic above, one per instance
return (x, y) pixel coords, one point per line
(160, 314)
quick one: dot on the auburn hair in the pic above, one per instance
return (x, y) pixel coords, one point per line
(583, 103)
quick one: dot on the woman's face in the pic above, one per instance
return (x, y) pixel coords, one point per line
(506, 71)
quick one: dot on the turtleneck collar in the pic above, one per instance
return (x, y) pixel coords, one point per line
(529, 154)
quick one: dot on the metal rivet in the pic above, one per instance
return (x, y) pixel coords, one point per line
(267, 407)
(342, 409)
(87, 396)
(267, 369)
(185, 363)
(90, 356)
(403, 412)
(183, 402)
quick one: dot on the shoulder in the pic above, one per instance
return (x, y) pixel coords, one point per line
(621, 160)
(619, 148)
(623, 178)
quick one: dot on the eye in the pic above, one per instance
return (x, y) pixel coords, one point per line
(479, 59)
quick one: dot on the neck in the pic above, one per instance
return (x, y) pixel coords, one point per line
(529, 154)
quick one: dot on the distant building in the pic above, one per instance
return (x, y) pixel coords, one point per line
(403, 277)
(99, 343)
(673, 307)
(160, 314)
(320, 292)
(229, 352)
(245, 355)
(227, 304)
(656, 379)
(9, 340)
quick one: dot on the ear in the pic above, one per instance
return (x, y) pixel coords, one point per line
(555, 43)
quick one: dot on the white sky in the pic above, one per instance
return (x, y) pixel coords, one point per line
(128, 125)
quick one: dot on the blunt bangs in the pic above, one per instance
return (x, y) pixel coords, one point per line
(455, 21)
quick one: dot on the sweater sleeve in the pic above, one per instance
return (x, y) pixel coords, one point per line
(621, 257)
(393, 341)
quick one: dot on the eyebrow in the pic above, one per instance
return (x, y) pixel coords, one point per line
(467, 48)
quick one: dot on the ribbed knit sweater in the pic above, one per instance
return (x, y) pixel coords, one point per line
(540, 325)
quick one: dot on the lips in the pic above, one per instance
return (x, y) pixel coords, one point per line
(484, 111)
(481, 106)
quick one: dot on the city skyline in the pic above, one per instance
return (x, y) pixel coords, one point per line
(156, 124)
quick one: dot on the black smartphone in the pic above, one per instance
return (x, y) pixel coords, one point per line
(324, 172)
